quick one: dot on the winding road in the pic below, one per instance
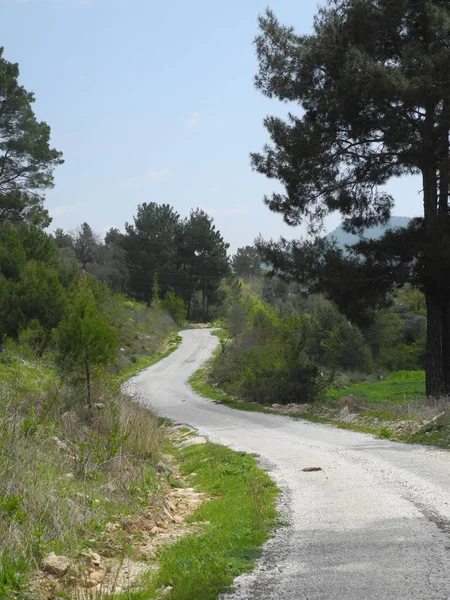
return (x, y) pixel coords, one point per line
(374, 524)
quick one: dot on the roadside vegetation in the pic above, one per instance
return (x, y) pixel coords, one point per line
(289, 352)
(237, 516)
(73, 460)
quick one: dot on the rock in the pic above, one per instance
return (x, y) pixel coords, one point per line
(61, 445)
(94, 558)
(99, 405)
(109, 487)
(347, 402)
(95, 578)
(193, 441)
(55, 565)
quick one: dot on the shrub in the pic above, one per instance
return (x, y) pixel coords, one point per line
(85, 339)
(175, 307)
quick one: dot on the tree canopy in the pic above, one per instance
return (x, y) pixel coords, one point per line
(151, 247)
(27, 161)
(246, 262)
(373, 85)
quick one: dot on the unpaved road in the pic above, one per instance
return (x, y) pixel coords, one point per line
(373, 525)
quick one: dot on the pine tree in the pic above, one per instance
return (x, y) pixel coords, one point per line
(373, 84)
(85, 340)
(26, 160)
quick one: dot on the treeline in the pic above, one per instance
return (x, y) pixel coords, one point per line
(186, 258)
(93, 304)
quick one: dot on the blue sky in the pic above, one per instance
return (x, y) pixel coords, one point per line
(154, 101)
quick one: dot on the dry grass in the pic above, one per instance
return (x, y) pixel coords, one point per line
(65, 474)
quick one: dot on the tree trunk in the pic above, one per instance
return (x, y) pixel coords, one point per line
(88, 386)
(189, 307)
(446, 346)
(438, 347)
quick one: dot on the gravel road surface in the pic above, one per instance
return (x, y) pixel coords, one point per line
(374, 524)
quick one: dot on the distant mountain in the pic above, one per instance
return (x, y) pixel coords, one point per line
(348, 239)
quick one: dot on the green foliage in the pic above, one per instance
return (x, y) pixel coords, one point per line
(12, 252)
(175, 307)
(31, 291)
(142, 334)
(151, 245)
(270, 361)
(203, 263)
(26, 159)
(188, 256)
(85, 245)
(85, 340)
(156, 302)
(12, 573)
(403, 386)
(369, 78)
(246, 262)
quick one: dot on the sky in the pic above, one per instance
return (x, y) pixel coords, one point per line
(155, 101)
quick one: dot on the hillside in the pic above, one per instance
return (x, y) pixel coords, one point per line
(348, 239)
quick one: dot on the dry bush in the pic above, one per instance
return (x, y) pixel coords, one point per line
(424, 409)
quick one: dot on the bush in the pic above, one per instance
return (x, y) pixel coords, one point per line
(269, 361)
(175, 307)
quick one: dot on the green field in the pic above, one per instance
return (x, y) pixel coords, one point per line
(401, 387)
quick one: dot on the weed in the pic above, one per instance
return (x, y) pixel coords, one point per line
(63, 474)
(239, 516)
(385, 433)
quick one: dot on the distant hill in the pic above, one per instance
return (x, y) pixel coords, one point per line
(348, 239)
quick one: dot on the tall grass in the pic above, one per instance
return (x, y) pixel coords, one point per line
(64, 473)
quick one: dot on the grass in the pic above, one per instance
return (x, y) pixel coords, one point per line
(64, 474)
(399, 388)
(132, 369)
(25, 375)
(239, 517)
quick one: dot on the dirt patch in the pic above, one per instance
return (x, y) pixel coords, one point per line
(348, 412)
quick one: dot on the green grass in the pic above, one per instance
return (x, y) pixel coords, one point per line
(133, 369)
(402, 387)
(379, 400)
(238, 519)
(26, 376)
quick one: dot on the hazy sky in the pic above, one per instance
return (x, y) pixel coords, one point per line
(154, 101)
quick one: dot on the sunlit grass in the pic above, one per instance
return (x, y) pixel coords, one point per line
(399, 388)
(238, 519)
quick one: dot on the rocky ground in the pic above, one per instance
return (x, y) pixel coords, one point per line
(111, 569)
(348, 412)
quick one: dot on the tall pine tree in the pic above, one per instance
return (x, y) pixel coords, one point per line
(373, 85)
